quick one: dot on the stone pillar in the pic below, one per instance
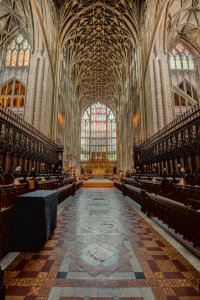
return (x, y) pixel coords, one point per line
(158, 90)
(39, 92)
(32, 86)
(44, 98)
(165, 89)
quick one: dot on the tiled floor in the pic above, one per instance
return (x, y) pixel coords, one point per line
(102, 249)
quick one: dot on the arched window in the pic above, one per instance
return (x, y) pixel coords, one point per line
(98, 133)
(180, 58)
(18, 52)
(13, 94)
(188, 88)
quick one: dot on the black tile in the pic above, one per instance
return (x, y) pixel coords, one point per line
(62, 275)
(139, 275)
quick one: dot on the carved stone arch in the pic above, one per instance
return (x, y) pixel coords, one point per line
(185, 85)
(13, 93)
(3, 83)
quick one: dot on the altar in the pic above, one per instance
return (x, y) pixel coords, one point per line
(98, 167)
(98, 172)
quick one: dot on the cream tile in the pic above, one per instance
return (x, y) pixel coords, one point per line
(131, 292)
(55, 293)
(147, 294)
(68, 291)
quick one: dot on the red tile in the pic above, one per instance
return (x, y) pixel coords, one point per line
(28, 274)
(160, 257)
(47, 266)
(160, 244)
(153, 249)
(179, 265)
(154, 267)
(173, 275)
(17, 290)
(21, 265)
(185, 291)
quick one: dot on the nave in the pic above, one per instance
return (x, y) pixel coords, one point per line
(103, 248)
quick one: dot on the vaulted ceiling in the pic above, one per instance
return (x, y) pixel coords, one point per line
(184, 21)
(100, 38)
(14, 15)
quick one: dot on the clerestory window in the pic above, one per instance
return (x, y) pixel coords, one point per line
(180, 58)
(18, 52)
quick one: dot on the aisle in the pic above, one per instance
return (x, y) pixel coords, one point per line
(102, 249)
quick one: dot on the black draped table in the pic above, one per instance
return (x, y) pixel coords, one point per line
(34, 218)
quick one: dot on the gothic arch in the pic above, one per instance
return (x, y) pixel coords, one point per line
(13, 94)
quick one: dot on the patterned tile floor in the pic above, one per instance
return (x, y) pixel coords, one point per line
(102, 249)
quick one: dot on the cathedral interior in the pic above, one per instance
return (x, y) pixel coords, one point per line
(99, 149)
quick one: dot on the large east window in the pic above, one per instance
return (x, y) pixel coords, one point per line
(98, 133)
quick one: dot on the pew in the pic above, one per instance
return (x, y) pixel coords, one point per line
(188, 195)
(64, 192)
(2, 286)
(50, 184)
(78, 184)
(8, 194)
(180, 217)
(118, 185)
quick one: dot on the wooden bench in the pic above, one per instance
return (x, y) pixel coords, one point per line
(7, 197)
(50, 184)
(64, 192)
(182, 219)
(2, 285)
(118, 184)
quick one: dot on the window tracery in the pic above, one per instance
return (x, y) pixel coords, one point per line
(13, 95)
(18, 52)
(180, 58)
(98, 133)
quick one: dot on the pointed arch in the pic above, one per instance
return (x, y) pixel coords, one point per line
(18, 52)
(180, 58)
(13, 94)
(98, 133)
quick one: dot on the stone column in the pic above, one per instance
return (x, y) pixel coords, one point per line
(39, 92)
(32, 86)
(165, 89)
(159, 102)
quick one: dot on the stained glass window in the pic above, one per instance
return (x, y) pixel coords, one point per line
(98, 133)
(18, 52)
(181, 59)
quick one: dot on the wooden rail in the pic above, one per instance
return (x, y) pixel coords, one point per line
(182, 219)
(9, 192)
(187, 195)
(50, 184)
